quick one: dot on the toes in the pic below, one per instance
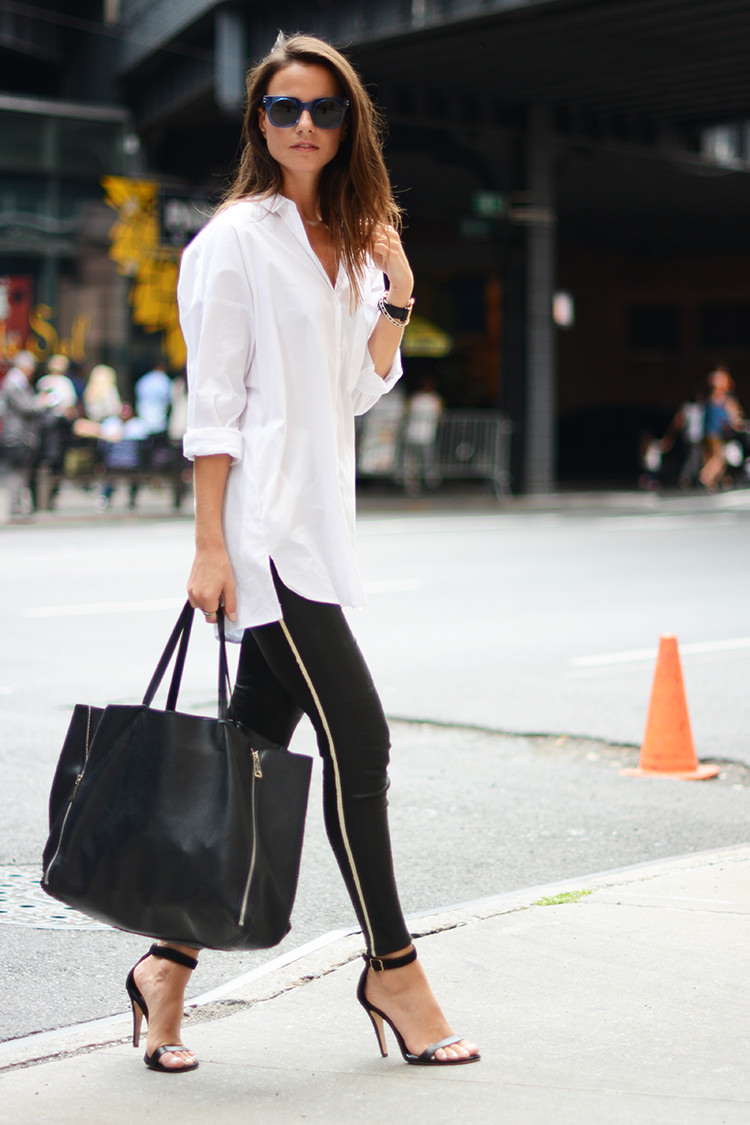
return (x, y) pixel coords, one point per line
(462, 1050)
(177, 1060)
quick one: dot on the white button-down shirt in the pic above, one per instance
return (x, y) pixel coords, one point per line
(278, 366)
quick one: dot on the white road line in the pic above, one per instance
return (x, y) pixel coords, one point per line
(94, 608)
(697, 648)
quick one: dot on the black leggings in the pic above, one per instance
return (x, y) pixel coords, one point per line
(309, 663)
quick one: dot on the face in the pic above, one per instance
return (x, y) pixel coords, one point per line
(303, 150)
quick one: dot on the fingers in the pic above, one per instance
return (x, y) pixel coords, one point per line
(230, 603)
(211, 584)
(210, 597)
(389, 256)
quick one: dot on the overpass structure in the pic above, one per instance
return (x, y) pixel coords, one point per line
(600, 146)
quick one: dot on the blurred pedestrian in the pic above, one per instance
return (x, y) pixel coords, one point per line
(22, 411)
(688, 424)
(722, 419)
(62, 392)
(101, 398)
(123, 440)
(57, 423)
(153, 399)
(420, 432)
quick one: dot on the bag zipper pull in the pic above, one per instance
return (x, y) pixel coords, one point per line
(257, 771)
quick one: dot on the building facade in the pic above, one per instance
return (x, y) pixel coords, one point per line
(574, 175)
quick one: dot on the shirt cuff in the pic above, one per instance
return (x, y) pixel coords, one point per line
(370, 382)
(206, 442)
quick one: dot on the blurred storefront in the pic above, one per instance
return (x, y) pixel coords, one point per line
(59, 290)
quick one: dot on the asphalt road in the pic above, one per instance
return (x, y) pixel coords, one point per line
(532, 623)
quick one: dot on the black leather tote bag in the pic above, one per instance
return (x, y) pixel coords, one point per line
(177, 826)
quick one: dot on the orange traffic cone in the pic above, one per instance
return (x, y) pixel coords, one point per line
(667, 749)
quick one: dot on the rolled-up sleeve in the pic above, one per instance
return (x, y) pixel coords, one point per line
(216, 313)
(370, 386)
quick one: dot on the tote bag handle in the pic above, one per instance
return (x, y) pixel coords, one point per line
(180, 636)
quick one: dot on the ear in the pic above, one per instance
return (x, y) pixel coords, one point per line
(262, 119)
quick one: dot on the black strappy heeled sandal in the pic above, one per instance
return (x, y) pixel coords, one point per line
(140, 1009)
(427, 1058)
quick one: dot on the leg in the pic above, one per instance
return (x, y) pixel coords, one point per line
(714, 466)
(16, 488)
(317, 664)
(691, 467)
(314, 657)
(161, 984)
(259, 700)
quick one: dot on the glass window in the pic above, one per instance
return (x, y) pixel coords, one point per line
(25, 142)
(653, 328)
(725, 326)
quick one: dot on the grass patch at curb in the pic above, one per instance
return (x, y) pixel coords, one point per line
(559, 900)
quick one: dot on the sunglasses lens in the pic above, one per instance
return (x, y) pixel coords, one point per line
(328, 113)
(284, 113)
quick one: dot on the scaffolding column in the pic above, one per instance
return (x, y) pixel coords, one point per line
(541, 374)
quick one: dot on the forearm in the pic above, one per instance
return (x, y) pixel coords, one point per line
(211, 581)
(384, 342)
(209, 482)
(385, 339)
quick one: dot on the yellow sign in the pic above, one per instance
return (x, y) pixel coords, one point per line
(423, 338)
(134, 245)
(46, 341)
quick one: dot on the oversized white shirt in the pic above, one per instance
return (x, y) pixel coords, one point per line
(278, 367)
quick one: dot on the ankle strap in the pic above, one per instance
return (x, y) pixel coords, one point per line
(380, 964)
(170, 954)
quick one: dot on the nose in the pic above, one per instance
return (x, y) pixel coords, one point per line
(305, 120)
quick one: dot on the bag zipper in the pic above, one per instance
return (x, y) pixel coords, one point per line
(257, 774)
(74, 790)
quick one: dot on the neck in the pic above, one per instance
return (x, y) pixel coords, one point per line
(304, 193)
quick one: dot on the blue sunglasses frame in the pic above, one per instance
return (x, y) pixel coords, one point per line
(270, 100)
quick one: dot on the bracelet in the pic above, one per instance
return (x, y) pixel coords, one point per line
(395, 315)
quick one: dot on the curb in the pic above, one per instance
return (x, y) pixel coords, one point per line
(337, 948)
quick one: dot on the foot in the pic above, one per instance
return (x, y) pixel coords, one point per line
(163, 985)
(405, 996)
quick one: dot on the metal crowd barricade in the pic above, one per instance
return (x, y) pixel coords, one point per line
(475, 444)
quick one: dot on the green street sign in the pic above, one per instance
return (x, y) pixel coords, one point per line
(489, 204)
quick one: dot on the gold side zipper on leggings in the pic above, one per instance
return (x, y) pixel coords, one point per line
(72, 796)
(257, 774)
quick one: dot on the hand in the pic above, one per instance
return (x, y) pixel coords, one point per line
(389, 256)
(211, 584)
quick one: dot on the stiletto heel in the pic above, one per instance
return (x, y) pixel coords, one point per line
(140, 1009)
(378, 1018)
(377, 1023)
(138, 1014)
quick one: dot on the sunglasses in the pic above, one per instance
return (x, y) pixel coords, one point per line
(284, 112)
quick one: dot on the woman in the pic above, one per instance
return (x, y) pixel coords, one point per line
(722, 417)
(290, 333)
(101, 398)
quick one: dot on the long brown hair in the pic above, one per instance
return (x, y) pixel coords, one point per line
(355, 192)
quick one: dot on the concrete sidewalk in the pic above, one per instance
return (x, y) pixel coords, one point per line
(618, 997)
(74, 505)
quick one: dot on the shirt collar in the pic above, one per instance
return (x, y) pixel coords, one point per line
(279, 202)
